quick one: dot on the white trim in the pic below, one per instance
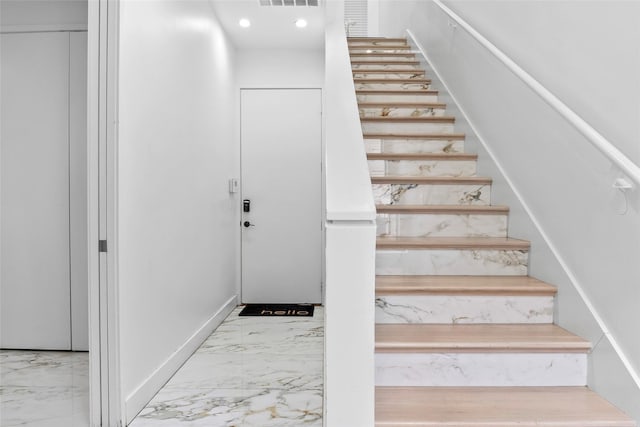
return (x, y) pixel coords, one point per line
(597, 140)
(563, 264)
(138, 399)
(41, 28)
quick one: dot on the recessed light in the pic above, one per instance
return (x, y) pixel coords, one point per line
(244, 23)
(301, 23)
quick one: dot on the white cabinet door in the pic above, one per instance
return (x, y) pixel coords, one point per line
(281, 139)
(34, 149)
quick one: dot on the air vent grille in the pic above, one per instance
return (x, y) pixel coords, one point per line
(356, 17)
(312, 3)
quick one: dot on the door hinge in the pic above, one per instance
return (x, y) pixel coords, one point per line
(102, 246)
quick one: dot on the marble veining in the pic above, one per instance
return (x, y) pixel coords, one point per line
(373, 145)
(252, 371)
(415, 194)
(408, 74)
(44, 388)
(454, 309)
(402, 97)
(442, 225)
(452, 168)
(407, 127)
(481, 369)
(401, 112)
(392, 86)
(378, 66)
(452, 262)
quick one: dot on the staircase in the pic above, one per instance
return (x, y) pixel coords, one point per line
(464, 337)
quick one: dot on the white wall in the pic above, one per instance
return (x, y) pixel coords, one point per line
(29, 15)
(178, 232)
(581, 241)
(280, 68)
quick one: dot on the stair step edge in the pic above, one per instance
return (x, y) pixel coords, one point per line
(453, 243)
(443, 209)
(463, 285)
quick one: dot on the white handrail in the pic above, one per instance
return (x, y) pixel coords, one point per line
(597, 140)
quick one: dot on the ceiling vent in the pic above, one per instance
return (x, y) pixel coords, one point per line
(289, 2)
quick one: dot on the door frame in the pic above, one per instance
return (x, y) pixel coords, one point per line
(322, 181)
(106, 403)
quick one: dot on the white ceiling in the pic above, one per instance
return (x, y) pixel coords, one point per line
(271, 26)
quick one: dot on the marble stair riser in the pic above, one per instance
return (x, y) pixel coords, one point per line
(430, 194)
(401, 112)
(407, 127)
(379, 50)
(412, 146)
(442, 225)
(392, 86)
(383, 58)
(422, 167)
(383, 66)
(388, 75)
(464, 309)
(389, 98)
(374, 44)
(451, 262)
(481, 369)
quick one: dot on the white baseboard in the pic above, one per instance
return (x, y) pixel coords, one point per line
(138, 399)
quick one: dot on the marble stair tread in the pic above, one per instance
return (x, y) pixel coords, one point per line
(463, 285)
(418, 136)
(460, 243)
(392, 81)
(418, 119)
(443, 209)
(495, 406)
(377, 39)
(432, 180)
(477, 338)
(364, 48)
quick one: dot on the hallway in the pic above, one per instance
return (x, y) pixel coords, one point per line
(252, 371)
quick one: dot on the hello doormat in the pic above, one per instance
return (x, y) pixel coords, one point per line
(294, 310)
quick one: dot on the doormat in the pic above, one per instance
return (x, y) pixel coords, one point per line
(295, 310)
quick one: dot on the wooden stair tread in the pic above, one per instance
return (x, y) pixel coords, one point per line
(377, 39)
(396, 92)
(495, 406)
(443, 209)
(427, 136)
(390, 54)
(417, 119)
(477, 338)
(388, 71)
(434, 180)
(463, 285)
(476, 243)
(385, 62)
(393, 81)
(402, 105)
(422, 156)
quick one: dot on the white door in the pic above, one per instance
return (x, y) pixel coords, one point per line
(281, 134)
(43, 212)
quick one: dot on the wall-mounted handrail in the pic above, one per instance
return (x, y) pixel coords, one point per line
(629, 168)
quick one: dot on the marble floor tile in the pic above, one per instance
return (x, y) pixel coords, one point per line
(252, 371)
(44, 388)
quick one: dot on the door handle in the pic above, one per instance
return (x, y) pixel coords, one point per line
(247, 224)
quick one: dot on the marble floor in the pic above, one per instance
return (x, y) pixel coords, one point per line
(252, 371)
(44, 389)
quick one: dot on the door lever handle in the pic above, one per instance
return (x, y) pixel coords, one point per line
(247, 224)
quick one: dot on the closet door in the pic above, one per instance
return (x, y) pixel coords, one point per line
(34, 155)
